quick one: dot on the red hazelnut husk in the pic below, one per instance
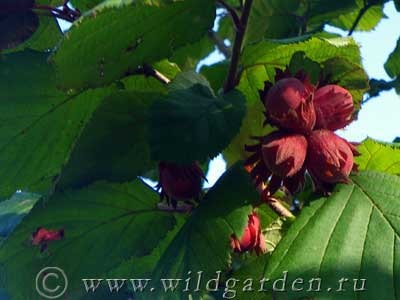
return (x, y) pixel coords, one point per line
(330, 158)
(289, 105)
(280, 158)
(333, 106)
(180, 182)
(252, 238)
(284, 154)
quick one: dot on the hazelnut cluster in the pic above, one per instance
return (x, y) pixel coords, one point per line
(306, 117)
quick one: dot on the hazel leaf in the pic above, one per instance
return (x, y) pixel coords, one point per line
(191, 123)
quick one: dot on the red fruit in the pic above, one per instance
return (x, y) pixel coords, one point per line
(333, 106)
(284, 154)
(289, 105)
(180, 182)
(41, 237)
(330, 159)
(252, 239)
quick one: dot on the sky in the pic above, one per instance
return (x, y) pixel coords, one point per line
(379, 118)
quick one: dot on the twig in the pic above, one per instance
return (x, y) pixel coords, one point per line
(149, 71)
(55, 15)
(231, 79)
(303, 28)
(358, 18)
(225, 50)
(274, 203)
(66, 13)
(232, 12)
(279, 208)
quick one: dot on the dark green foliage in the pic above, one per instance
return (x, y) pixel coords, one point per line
(83, 115)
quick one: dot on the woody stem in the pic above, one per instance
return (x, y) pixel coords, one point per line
(231, 79)
(274, 203)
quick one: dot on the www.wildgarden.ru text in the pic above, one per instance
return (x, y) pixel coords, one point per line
(195, 282)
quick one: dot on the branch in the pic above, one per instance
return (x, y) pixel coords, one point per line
(279, 208)
(225, 50)
(149, 71)
(232, 12)
(359, 16)
(274, 203)
(231, 79)
(65, 13)
(50, 14)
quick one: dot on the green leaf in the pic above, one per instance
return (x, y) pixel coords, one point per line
(46, 37)
(392, 65)
(159, 28)
(140, 267)
(348, 75)
(300, 62)
(278, 54)
(215, 74)
(370, 19)
(280, 19)
(272, 19)
(379, 156)
(140, 83)
(167, 68)
(190, 55)
(226, 28)
(4, 295)
(84, 5)
(113, 146)
(234, 3)
(260, 60)
(320, 12)
(105, 224)
(202, 244)
(397, 4)
(39, 124)
(353, 234)
(252, 125)
(12, 212)
(191, 123)
(246, 272)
